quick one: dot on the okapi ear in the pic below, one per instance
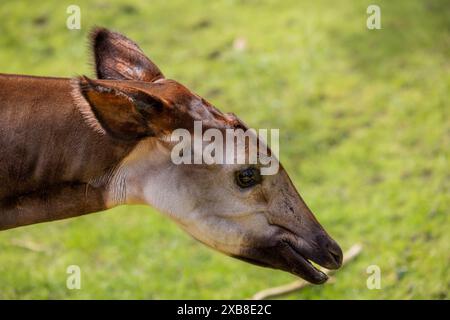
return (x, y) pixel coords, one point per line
(124, 113)
(119, 58)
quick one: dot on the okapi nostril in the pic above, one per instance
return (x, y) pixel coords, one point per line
(336, 253)
(337, 258)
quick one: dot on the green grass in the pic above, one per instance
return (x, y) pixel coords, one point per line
(364, 121)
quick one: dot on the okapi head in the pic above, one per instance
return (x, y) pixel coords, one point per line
(230, 207)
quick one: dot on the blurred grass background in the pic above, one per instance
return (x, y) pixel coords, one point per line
(365, 134)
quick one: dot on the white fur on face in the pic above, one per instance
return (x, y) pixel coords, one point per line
(203, 200)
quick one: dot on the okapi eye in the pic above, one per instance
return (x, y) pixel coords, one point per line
(248, 177)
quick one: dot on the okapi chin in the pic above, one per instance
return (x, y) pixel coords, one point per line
(76, 146)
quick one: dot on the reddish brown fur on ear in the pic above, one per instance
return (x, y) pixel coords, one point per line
(119, 58)
(115, 110)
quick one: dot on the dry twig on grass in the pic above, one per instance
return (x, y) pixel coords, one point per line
(299, 284)
(29, 245)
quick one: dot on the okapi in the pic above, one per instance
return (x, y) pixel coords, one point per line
(70, 147)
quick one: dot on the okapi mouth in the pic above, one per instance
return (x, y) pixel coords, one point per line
(287, 257)
(303, 267)
(288, 253)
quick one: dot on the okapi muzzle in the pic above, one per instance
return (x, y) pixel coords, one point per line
(76, 146)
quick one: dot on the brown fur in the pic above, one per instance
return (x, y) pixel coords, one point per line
(47, 147)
